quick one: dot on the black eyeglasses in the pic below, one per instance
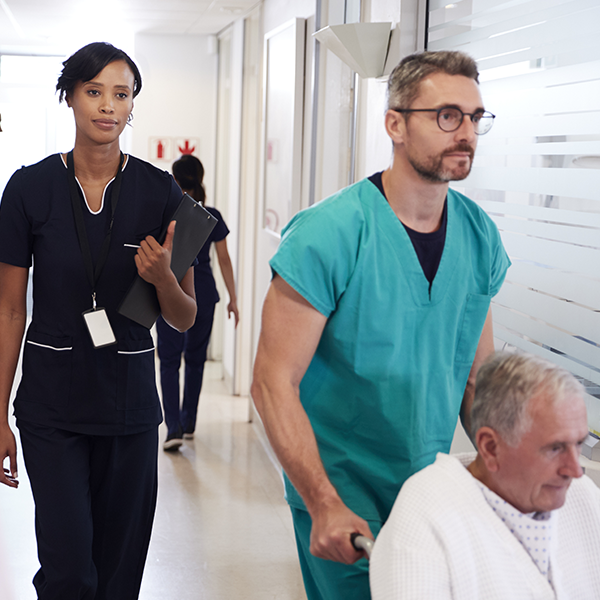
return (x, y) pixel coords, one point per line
(450, 118)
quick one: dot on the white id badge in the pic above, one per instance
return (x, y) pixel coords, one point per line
(99, 327)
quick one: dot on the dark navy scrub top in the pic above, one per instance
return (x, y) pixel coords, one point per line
(204, 281)
(66, 382)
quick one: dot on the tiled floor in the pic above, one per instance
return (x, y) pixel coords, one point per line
(222, 529)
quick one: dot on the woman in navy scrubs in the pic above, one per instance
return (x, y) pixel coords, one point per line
(87, 409)
(181, 422)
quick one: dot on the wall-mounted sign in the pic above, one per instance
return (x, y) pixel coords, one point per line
(161, 148)
(170, 149)
(187, 146)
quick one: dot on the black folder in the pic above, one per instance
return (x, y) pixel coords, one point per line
(194, 224)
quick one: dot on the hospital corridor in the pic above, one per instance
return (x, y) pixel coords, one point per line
(397, 189)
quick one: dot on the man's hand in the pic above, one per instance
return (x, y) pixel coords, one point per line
(153, 261)
(8, 449)
(332, 526)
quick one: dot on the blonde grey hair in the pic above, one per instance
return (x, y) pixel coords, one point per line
(506, 383)
(405, 79)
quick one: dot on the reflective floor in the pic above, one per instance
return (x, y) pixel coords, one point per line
(222, 529)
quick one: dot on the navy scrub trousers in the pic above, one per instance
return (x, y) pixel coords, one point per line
(193, 344)
(94, 510)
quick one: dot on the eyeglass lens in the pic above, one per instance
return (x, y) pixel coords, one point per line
(450, 119)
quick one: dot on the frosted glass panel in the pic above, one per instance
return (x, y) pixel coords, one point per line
(537, 173)
(579, 183)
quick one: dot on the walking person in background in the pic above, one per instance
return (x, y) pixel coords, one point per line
(180, 417)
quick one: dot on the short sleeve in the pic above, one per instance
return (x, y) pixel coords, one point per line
(16, 235)
(221, 231)
(318, 251)
(500, 262)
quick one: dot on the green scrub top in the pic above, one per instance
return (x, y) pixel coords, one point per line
(384, 388)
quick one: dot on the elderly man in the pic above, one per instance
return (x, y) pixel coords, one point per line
(515, 522)
(376, 321)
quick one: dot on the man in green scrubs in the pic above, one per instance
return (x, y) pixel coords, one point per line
(376, 321)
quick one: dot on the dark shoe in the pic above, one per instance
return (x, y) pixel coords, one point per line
(188, 430)
(173, 441)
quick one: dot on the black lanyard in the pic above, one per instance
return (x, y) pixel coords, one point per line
(92, 275)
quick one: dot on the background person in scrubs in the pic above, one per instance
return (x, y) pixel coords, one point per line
(180, 417)
(87, 413)
(376, 321)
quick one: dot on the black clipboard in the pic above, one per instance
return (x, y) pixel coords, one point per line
(194, 225)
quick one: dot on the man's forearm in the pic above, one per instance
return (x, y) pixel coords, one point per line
(292, 437)
(293, 440)
(465, 409)
(485, 347)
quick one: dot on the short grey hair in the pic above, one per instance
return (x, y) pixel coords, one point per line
(505, 384)
(405, 79)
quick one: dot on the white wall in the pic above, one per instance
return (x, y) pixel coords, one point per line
(178, 97)
(278, 12)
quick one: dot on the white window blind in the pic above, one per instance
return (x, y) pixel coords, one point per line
(537, 172)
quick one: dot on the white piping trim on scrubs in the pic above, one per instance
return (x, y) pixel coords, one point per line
(126, 160)
(49, 347)
(135, 351)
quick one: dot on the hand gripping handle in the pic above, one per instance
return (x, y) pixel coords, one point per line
(360, 542)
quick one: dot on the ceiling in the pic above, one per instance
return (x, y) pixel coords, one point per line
(61, 26)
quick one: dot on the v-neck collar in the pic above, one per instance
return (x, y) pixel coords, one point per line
(400, 241)
(125, 162)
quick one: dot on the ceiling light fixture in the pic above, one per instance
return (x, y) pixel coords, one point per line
(232, 10)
